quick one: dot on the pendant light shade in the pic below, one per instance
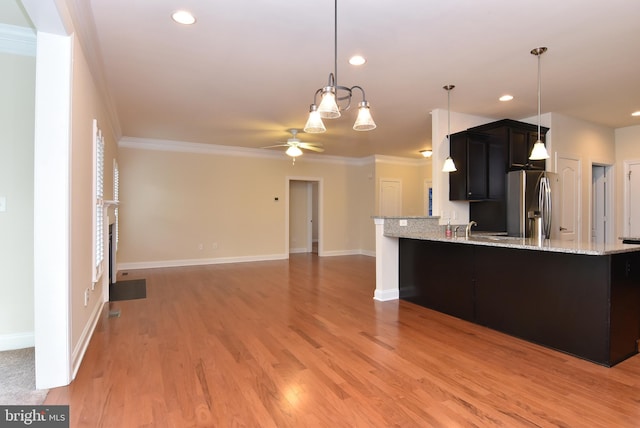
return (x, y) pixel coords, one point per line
(364, 121)
(539, 151)
(314, 124)
(449, 165)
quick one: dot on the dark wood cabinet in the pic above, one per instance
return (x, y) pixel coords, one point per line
(518, 137)
(584, 305)
(481, 167)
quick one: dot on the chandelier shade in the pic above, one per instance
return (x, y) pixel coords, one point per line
(314, 123)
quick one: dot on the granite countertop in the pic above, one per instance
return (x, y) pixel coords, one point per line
(552, 245)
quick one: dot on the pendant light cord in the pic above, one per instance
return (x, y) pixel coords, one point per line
(335, 43)
(539, 138)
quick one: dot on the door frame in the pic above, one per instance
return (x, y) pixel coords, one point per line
(381, 199)
(309, 181)
(609, 209)
(626, 231)
(579, 210)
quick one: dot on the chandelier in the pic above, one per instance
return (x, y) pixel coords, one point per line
(336, 98)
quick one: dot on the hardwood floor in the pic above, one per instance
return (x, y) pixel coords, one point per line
(302, 343)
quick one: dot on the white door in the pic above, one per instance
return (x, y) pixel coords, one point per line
(598, 204)
(568, 200)
(633, 200)
(390, 197)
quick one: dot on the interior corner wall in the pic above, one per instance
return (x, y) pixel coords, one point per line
(17, 86)
(627, 144)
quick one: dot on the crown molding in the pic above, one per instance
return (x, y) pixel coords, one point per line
(214, 149)
(17, 40)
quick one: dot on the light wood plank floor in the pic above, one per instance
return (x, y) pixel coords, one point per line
(302, 343)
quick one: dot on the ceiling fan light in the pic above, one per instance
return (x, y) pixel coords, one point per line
(314, 124)
(427, 153)
(294, 151)
(364, 121)
(539, 151)
(328, 107)
(449, 166)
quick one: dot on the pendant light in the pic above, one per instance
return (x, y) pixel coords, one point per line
(449, 165)
(332, 94)
(539, 151)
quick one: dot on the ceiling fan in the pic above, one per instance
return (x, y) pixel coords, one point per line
(294, 145)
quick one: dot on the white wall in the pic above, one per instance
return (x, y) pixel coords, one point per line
(627, 149)
(17, 86)
(592, 144)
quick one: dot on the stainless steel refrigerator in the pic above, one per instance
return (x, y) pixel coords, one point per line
(530, 203)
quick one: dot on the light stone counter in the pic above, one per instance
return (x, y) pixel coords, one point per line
(390, 229)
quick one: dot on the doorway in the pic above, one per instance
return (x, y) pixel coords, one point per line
(631, 199)
(601, 209)
(568, 201)
(390, 197)
(303, 223)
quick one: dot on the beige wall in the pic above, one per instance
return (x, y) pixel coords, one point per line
(627, 149)
(592, 144)
(17, 86)
(86, 105)
(412, 175)
(173, 202)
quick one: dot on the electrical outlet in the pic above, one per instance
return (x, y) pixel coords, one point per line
(214, 246)
(86, 297)
(200, 246)
(403, 222)
(3, 204)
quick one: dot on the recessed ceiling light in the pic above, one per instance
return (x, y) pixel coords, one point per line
(357, 60)
(183, 17)
(636, 113)
(506, 97)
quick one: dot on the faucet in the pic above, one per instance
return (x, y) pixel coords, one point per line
(467, 232)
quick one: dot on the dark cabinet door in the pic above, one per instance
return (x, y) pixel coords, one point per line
(458, 179)
(518, 148)
(497, 170)
(477, 159)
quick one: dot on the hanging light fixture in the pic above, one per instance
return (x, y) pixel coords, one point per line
(539, 151)
(449, 165)
(334, 94)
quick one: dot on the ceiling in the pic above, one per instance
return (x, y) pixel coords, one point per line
(248, 69)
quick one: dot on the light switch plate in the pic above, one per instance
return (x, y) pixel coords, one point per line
(3, 204)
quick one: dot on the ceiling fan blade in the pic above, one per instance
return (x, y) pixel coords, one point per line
(276, 145)
(312, 148)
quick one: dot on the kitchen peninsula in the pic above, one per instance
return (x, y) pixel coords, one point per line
(579, 298)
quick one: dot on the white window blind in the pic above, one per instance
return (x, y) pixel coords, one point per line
(98, 211)
(116, 197)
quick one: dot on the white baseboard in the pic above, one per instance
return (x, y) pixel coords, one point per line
(386, 295)
(198, 262)
(81, 347)
(242, 259)
(298, 250)
(9, 342)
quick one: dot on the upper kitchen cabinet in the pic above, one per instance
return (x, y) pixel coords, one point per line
(518, 137)
(481, 165)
